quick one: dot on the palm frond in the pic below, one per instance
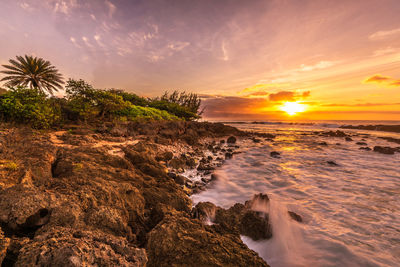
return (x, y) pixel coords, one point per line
(33, 72)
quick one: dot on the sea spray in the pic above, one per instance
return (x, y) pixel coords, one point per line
(286, 248)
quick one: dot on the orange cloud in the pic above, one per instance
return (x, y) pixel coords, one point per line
(288, 96)
(228, 106)
(377, 79)
(395, 83)
(259, 93)
(388, 81)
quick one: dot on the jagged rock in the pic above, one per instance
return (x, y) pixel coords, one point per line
(204, 211)
(295, 216)
(275, 154)
(385, 150)
(348, 139)
(177, 163)
(4, 243)
(179, 179)
(213, 177)
(255, 225)
(228, 155)
(391, 139)
(241, 219)
(365, 148)
(338, 133)
(166, 156)
(65, 247)
(231, 140)
(179, 241)
(332, 163)
(205, 167)
(386, 128)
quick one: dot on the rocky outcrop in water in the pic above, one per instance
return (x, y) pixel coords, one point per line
(385, 150)
(241, 219)
(385, 128)
(103, 197)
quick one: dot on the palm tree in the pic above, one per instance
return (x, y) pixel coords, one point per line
(34, 72)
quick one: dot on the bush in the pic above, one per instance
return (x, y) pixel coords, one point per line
(131, 97)
(85, 102)
(174, 108)
(29, 106)
(133, 112)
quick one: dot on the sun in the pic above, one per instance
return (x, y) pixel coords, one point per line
(292, 108)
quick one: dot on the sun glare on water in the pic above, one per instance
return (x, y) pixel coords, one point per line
(292, 108)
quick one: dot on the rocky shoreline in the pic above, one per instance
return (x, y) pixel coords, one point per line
(118, 195)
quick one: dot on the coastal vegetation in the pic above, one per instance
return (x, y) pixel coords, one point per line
(29, 99)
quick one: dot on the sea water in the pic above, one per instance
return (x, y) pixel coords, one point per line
(350, 212)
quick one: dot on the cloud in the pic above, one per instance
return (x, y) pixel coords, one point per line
(86, 41)
(361, 105)
(225, 56)
(377, 79)
(288, 96)
(395, 83)
(97, 38)
(26, 6)
(383, 80)
(73, 40)
(384, 34)
(111, 8)
(260, 89)
(63, 6)
(282, 96)
(380, 79)
(259, 93)
(384, 51)
(318, 66)
(178, 46)
(222, 106)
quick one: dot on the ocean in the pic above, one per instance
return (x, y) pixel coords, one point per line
(350, 211)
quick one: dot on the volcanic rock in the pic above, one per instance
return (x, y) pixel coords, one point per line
(275, 154)
(231, 140)
(385, 150)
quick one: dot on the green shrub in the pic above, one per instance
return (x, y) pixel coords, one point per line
(175, 109)
(31, 106)
(131, 97)
(86, 103)
(132, 112)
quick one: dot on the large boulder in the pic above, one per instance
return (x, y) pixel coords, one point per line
(241, 219)
(180, 241)
(255, 225)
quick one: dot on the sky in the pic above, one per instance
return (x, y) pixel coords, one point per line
(246, 58)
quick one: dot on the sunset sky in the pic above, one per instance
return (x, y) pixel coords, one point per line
(340, 58)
